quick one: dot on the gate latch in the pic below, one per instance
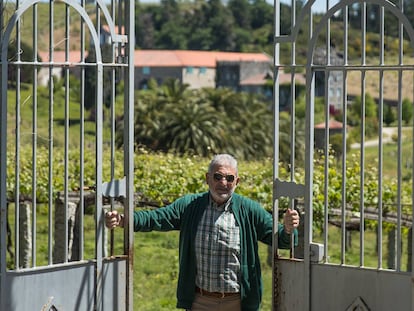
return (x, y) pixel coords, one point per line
(316, 252)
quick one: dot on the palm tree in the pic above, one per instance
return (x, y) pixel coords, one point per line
(192, 126)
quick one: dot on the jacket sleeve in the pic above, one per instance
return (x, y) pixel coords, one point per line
(284, 238)
(162, 219)
(266, 237)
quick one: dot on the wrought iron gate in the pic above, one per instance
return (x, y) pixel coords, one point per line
(67, 72)
(350, 198)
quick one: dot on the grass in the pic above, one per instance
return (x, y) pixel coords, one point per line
(390, 152)
(156, 259)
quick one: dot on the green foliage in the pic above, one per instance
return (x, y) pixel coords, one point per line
(173, 118)
(25, 53)
(389, 115)
(407, 111)
(336, 145)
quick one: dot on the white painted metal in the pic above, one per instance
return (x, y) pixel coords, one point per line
(327, 284)
(58, 275)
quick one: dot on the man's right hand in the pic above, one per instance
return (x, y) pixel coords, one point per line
(114, 219)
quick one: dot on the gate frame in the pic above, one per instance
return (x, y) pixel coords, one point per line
(101, 267)
(298, 293)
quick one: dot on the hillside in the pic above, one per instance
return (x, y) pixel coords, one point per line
(390, 89)
(354, 77)
(43, 33)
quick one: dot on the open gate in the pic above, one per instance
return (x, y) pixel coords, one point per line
(67, 71)
(357, 203)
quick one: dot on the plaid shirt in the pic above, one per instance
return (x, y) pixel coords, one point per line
(217, 248)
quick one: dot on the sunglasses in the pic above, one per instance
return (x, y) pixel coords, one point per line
(219, 177)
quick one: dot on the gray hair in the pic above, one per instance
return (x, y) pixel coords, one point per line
(222, 159)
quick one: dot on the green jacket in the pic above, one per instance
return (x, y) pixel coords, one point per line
(185, 213)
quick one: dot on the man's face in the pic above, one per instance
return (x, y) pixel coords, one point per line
(222, 181)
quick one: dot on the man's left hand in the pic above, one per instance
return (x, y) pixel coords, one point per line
(291, 220)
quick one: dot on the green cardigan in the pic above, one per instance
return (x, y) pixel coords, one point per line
(185, 213)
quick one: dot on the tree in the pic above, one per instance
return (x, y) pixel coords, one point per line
(191, 126)
(261, 14)
(25, 54)
(240, 10)
(90, 78)
(144, 31)
(389, 115)
(221, 24)
(407, 111)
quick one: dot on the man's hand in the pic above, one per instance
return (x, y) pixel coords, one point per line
(290, 220)
(114, 219)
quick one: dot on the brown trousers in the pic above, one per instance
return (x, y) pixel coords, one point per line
(204, 303)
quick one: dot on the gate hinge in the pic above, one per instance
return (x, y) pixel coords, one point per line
(114, 188)
(288, 189)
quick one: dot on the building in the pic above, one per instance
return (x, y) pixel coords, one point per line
(246, 72)
(335, 127)
(249, 76)
(200, 69)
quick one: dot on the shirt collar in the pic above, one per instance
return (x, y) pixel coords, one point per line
(221, 207)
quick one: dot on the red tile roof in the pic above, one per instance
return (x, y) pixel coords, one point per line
(170, 58)
(181, 58)
(60, 56)
(259, 79)
(333, 124)
(285, 78)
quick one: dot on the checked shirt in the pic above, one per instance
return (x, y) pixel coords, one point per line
(217, 247)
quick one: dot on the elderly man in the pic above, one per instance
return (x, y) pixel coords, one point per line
(219, 267)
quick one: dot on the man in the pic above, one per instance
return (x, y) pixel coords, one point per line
(219, 267)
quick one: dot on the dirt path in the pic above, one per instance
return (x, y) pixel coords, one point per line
(387, 133)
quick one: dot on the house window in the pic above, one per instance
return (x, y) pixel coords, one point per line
(203, 70)
(146, 70)
(189, 69)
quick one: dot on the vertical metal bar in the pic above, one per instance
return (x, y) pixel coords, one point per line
(3, 162)
(292, 119)
(276, 95)
(344, 121)
(112, 115)
(17, 149)
(363, 116)
(309, 150)
(380, 145)
(66, 139)
(399, 148)
(51, 97)
(326, 160)
(309, 155)
(98, 173)
(326, 147)
(399, 171)
(98, 178)
(34, 136)
(82, 138)
(129, 154)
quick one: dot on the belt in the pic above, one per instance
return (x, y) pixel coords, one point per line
(203, 292)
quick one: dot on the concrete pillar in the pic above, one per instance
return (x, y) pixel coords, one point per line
(59, 230)
(25, 235)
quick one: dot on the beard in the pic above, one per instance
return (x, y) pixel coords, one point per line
(221, 196)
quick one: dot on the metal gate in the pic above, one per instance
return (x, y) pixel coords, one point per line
(67, 71)
(351, 122)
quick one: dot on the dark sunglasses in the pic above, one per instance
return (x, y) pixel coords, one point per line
(219, 177)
